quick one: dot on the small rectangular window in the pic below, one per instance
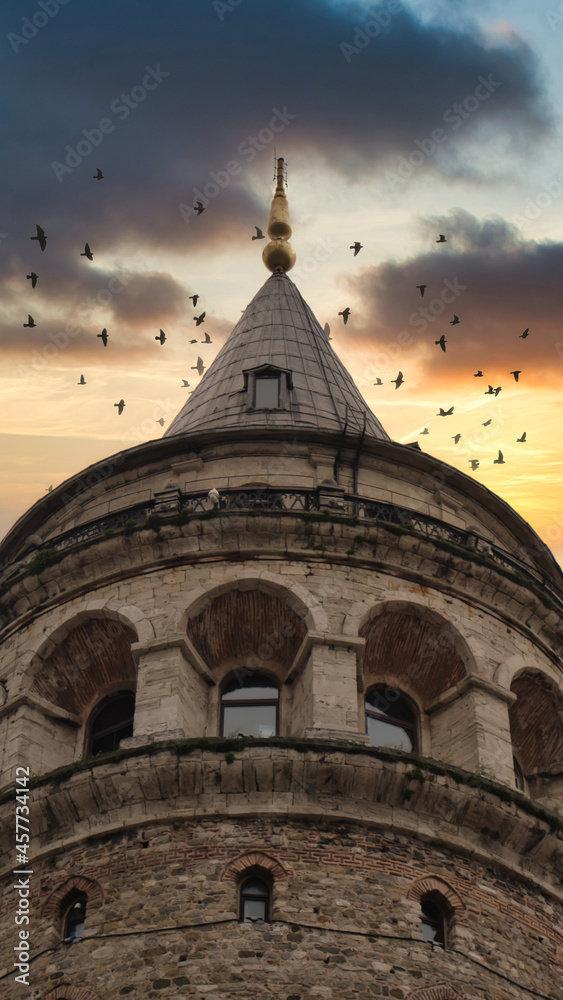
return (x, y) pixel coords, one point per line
(267, 391)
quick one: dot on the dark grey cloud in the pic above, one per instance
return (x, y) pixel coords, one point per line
(496, 282)
(81, 98)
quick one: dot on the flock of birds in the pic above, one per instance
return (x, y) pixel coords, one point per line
(41, 238)
(441, 342)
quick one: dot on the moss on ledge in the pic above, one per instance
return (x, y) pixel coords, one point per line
(421, 768)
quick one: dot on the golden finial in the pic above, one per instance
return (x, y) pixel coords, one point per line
(279, 255)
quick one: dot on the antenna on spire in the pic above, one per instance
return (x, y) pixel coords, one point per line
(280, 171)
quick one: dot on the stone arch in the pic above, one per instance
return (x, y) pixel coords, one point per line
(86, 657)
(75, 883)
(298, 598)
(509, 670)
(66, 991)
(418, 647)
(438, 991)
(432, 883)
(536, 720)
(253, 860)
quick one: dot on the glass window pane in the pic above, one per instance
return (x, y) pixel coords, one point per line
(385, 734)
(255, 908)
(380, 704)
(255, 887)
(249, 720)
(267, 392)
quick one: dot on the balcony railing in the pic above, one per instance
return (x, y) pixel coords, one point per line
(173, 503)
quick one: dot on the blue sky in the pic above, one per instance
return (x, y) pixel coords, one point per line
(399, 121)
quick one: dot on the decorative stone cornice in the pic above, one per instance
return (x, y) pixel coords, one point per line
(180, 641)
(322, 639)
(470, 683)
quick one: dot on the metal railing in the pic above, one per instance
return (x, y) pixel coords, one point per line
(173, 503)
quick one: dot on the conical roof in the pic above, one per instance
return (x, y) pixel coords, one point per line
(277, 334)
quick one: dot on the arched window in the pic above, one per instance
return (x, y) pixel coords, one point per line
(390, 720)
(254, 900)
(111, 722)
(433, 922)
(250, 707)
(518, 776)
(74, 918)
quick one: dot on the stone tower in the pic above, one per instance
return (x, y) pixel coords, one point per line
(281, 707)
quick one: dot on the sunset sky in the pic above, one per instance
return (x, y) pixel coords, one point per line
(399, 121)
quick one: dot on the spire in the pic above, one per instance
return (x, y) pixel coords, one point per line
(279, 255)
(277, 346)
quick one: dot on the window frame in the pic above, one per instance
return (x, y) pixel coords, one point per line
(251, 875)
(438, 903)
(412, 729)
(250, 702)
(76, 899)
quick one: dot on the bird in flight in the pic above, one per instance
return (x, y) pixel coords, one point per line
(478, 374)
(497, 390)
(193, 341)
(445, 413)
(442, 342)
(199, 366)
(160, 421)
(493, 392)
(522, 335)
(425, 431)
(87, 252)
(454, 321)
(98, 176)
(31, 322)
(120, 406)
(259, 236)
(33, 277)
(523, 438)
(500, 459)
(185, 384)
(199, 319)
(41, 238)
(161, 337)
(356, 247)
(207, 339)
(379, 382)
(456, 438)
(516, 374)
(442, 239)
(345, 313)
(474, 463)
(421, 288)
(82, 380)
(487, 422)
(399, 380)
(194, 299)
(104, 336)
(199, 207)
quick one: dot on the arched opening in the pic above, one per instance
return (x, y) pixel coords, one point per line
(391, 721)
(536, 726)
(111, 722)
(250, 706)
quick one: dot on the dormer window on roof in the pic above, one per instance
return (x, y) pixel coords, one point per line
(267, 387)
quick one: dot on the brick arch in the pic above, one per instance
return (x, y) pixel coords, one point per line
(411, 643)
(75, 883)
(255, 859)
(432, 883)
(304, 604)
(86, 658)
(536, 720)
(66, 991)
(438, 991)
(246, 626)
